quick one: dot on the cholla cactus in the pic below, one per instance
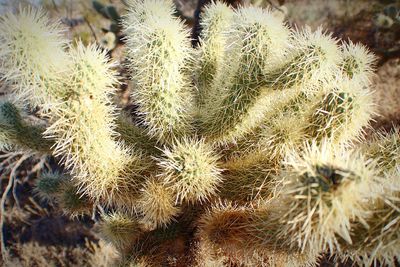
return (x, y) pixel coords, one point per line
(335, 186)
(377, 240)
(17, 133)
(246, 147)
(32, 55)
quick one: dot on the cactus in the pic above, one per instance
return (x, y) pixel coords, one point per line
(378, 240)
(258, 40)
(215, 22)
(49, 184)
(335, 189)
(384, 147)
(245, 150)
(60, 189)
(33, 55)
(18, 133)
(159, 52)
(120, 229)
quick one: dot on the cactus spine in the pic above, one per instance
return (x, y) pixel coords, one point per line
(215, 22)
(246, 148)
(32, 55)
(159, 52)
(84, 129)
(18, 133)
(257, 38)
(190, 169)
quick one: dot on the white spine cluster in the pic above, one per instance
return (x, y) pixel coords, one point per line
(32, 56)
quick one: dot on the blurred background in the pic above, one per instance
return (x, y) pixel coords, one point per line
(37, 233)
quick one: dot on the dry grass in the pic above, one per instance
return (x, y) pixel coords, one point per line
(32, 254)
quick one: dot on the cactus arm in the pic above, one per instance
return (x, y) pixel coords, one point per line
(190, 168)
(159, 50)
(135, 136)
(378, 239)
(83, 126)
(215, 22)
(358, 63)
(156, 204)
(314, 59)
(239, 83)
(60, 189)
(14, 131)
(33, 56)
(121, 230)
(385, 148)
(327, 189)
(248, 178)
(341, 114)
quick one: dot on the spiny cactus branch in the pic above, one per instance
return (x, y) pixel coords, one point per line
(245, 150)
